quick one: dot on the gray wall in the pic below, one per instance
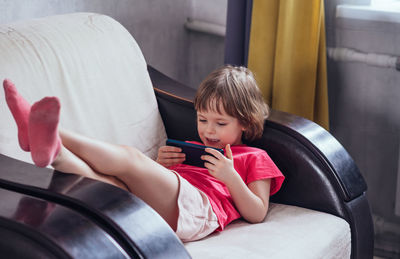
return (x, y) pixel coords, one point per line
(206, 51)
(330, 13)
(365, 111)
(157, 26)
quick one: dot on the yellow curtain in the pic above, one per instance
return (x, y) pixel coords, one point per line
(287, 54)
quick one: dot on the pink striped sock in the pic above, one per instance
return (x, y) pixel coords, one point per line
(20, 110)
(44, 139)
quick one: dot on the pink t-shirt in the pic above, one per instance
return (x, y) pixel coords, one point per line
(251, 163)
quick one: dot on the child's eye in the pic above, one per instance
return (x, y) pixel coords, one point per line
(202, 120)
(221, 124)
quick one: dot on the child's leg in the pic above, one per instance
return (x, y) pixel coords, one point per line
(20, 109)
(44, 140)
(68, 162)
(144, 177)
(46, 145)
(147, 179)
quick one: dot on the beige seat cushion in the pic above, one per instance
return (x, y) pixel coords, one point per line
(287, 232)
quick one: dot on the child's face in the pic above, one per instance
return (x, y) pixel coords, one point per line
(218, 129)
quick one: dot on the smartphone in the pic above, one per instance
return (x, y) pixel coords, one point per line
(192, 151)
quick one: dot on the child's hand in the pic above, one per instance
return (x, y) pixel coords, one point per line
(220, 166)
(169, 156)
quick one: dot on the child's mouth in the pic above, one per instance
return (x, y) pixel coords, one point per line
(212, 141)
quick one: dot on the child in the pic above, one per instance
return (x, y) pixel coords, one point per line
(194, 201)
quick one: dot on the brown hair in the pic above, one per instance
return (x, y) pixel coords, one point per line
(236, 89)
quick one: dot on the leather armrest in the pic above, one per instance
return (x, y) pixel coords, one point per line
(323, 146)
(175, 103)
(135, 228)
(37, 228)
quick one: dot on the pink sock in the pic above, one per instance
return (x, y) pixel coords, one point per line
(44, 139)
(20, 110)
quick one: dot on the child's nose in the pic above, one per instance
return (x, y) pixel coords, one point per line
(210, 128)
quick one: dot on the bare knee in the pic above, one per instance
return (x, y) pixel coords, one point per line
(133, 156)
(131, 152)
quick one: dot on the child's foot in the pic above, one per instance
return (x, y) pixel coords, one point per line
(20, 110)
(44, 140)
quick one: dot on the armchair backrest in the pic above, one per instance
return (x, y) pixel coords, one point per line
(94, 66)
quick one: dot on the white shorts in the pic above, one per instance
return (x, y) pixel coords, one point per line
(196, 218)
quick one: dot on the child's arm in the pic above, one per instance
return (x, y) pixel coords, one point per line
(252, 201)
(169, 156)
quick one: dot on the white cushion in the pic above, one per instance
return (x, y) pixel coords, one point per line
(287, 232)
(96, 69)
